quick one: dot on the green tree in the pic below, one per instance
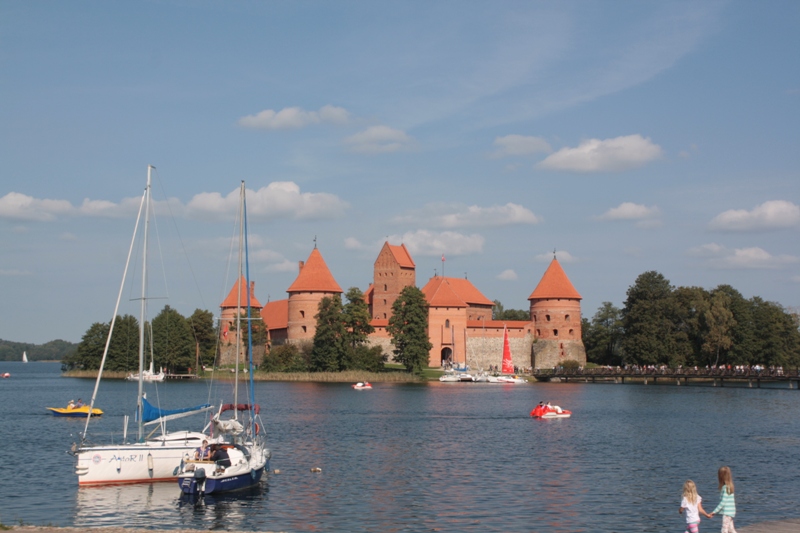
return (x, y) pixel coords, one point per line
(744, 337)
(647, 318)
(329, 348)
(205, 336)
(717, 322)
(501, 313)
(355, 315)
(286, 358)
(123, 352)
(173, 341)
(778, 342)
(90, 350)
(602, 335)
(408, 328)
(688, 306)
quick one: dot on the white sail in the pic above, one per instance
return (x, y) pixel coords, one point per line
(24, 357)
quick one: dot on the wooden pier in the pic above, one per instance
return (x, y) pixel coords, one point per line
(678, 376)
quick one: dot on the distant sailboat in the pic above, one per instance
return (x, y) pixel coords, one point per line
(24, 357)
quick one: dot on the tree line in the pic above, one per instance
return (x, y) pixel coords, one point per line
(660, 324)
(50, 351)
(341, 341)
(177, 343)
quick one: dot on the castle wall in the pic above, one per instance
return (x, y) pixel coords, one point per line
(483, 351)
(557, 319)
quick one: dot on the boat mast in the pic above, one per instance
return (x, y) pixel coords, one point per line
(239, 302)
(143, 309)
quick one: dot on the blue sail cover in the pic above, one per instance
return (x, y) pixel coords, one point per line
(150, 412)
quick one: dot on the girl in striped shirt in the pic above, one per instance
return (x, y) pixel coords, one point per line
(727, 505)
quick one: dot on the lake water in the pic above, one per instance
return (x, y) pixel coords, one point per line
(433, 457)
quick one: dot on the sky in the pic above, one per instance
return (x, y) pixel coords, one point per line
(623, 136)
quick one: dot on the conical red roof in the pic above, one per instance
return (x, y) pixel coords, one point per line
(314, 276)
(231, 301)
(554, 284)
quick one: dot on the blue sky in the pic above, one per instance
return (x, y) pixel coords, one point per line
(627, 136)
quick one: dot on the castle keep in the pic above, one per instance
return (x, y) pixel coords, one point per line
(460, 324)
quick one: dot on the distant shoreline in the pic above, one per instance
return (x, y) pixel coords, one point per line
(350, 376)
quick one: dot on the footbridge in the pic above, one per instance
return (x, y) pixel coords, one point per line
(716, 377)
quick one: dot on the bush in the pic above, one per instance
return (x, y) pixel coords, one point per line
(570, 365)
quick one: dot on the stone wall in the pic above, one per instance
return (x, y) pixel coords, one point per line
(482, 352)
(551, 353)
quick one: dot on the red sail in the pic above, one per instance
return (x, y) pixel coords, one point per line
(508, 367)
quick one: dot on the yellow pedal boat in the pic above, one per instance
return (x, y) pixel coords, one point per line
(82, 411)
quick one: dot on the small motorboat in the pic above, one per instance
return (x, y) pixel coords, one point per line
(362, 386)
(72, 410)
(6, 375)
(550, 411)
(507, 379)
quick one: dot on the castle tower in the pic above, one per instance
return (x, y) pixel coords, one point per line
(228, 309)
(394, 270)
(556, 316)
(313, 283)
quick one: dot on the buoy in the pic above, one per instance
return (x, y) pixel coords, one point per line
(316, 470)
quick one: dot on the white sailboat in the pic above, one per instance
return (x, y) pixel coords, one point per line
(241, 455)
(146, 459)
(24, 357)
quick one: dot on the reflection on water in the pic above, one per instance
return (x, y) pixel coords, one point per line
(434, 458)
(163, 505)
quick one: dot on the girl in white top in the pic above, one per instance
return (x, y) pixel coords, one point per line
(691, 502)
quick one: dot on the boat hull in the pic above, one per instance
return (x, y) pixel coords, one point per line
(241, 475)
(154, 460)
(77, 412)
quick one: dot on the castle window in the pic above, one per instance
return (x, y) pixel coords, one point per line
(547, 317)
(385, 287)
(566, 318)
(538, 333)
(384, 315)
(447, 323)
(304, 329)
(555, 333)
(571, 332)
(302, 314)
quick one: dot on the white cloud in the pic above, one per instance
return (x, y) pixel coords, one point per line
(718, 256)
(630, 211)
(424, 242)
(460, 216)
(378, 140)
(507, 275)
(279, 199)
(283, 266)
(351, 243)
(68, 237)
(774, 214)
(292, 118)
(17, 206)
(609, 155)
(520, 145)
(646, 217)
(561, 255)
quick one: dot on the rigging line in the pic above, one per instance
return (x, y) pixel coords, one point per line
(180, 239)
(113, 320)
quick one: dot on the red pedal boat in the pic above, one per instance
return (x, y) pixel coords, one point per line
(550, 411)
